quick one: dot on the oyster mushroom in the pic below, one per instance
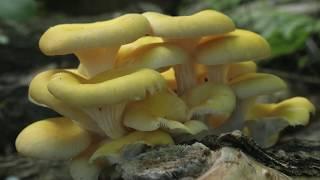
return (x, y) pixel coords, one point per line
(185, 31)
(95, 44)
(104, 97)
(54, 139)
(157, 112)
(218, 51)
(40, 95)
(215, 102)
(247, 88)
(265, 121)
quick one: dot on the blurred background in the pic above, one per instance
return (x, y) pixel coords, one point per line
(292, 27)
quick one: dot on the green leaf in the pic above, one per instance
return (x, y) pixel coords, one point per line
(17, 9)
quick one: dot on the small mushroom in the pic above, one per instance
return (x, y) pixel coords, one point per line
(114, 147)
(264, 122)
(54, 139)
(164, 111)
(296, 111)
(104, 97)
(185, 31)
(247, 88)
(215, 102)
(255, 84)
(237, 46)
(95, 44)
(40, 95)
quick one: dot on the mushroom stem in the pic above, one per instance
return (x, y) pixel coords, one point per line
(218, 73)
(80, 168)
(185, 73)
(185, 77)
(108, 118)
(237, 119)
(95, 61)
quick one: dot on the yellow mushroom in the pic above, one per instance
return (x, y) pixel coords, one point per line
(104, 97)
(203, 23)
(95, 44)
(40, 95)
(264, 122)
(247, 88)
(295, 111)
(164, 111)
(255, 84)
(218, 51)
(185, 31)
(54, 138)
(215, 102)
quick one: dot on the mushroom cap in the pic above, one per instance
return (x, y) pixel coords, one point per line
(54, 138)
(195, 126)
(255, 84)
(40, 95)
(156, 112)
(144, 122)
(264, 122)
(127, 49)
(236, 46)
(295, 111)
(156, 56)
(157, 106)
(111, 87)
(70, 38)
(204, 23)
(210, 99)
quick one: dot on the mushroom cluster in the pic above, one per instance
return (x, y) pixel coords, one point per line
(145, 78)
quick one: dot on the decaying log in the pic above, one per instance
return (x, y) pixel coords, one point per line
(295, 158)
(190, 162)
(227, 156)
